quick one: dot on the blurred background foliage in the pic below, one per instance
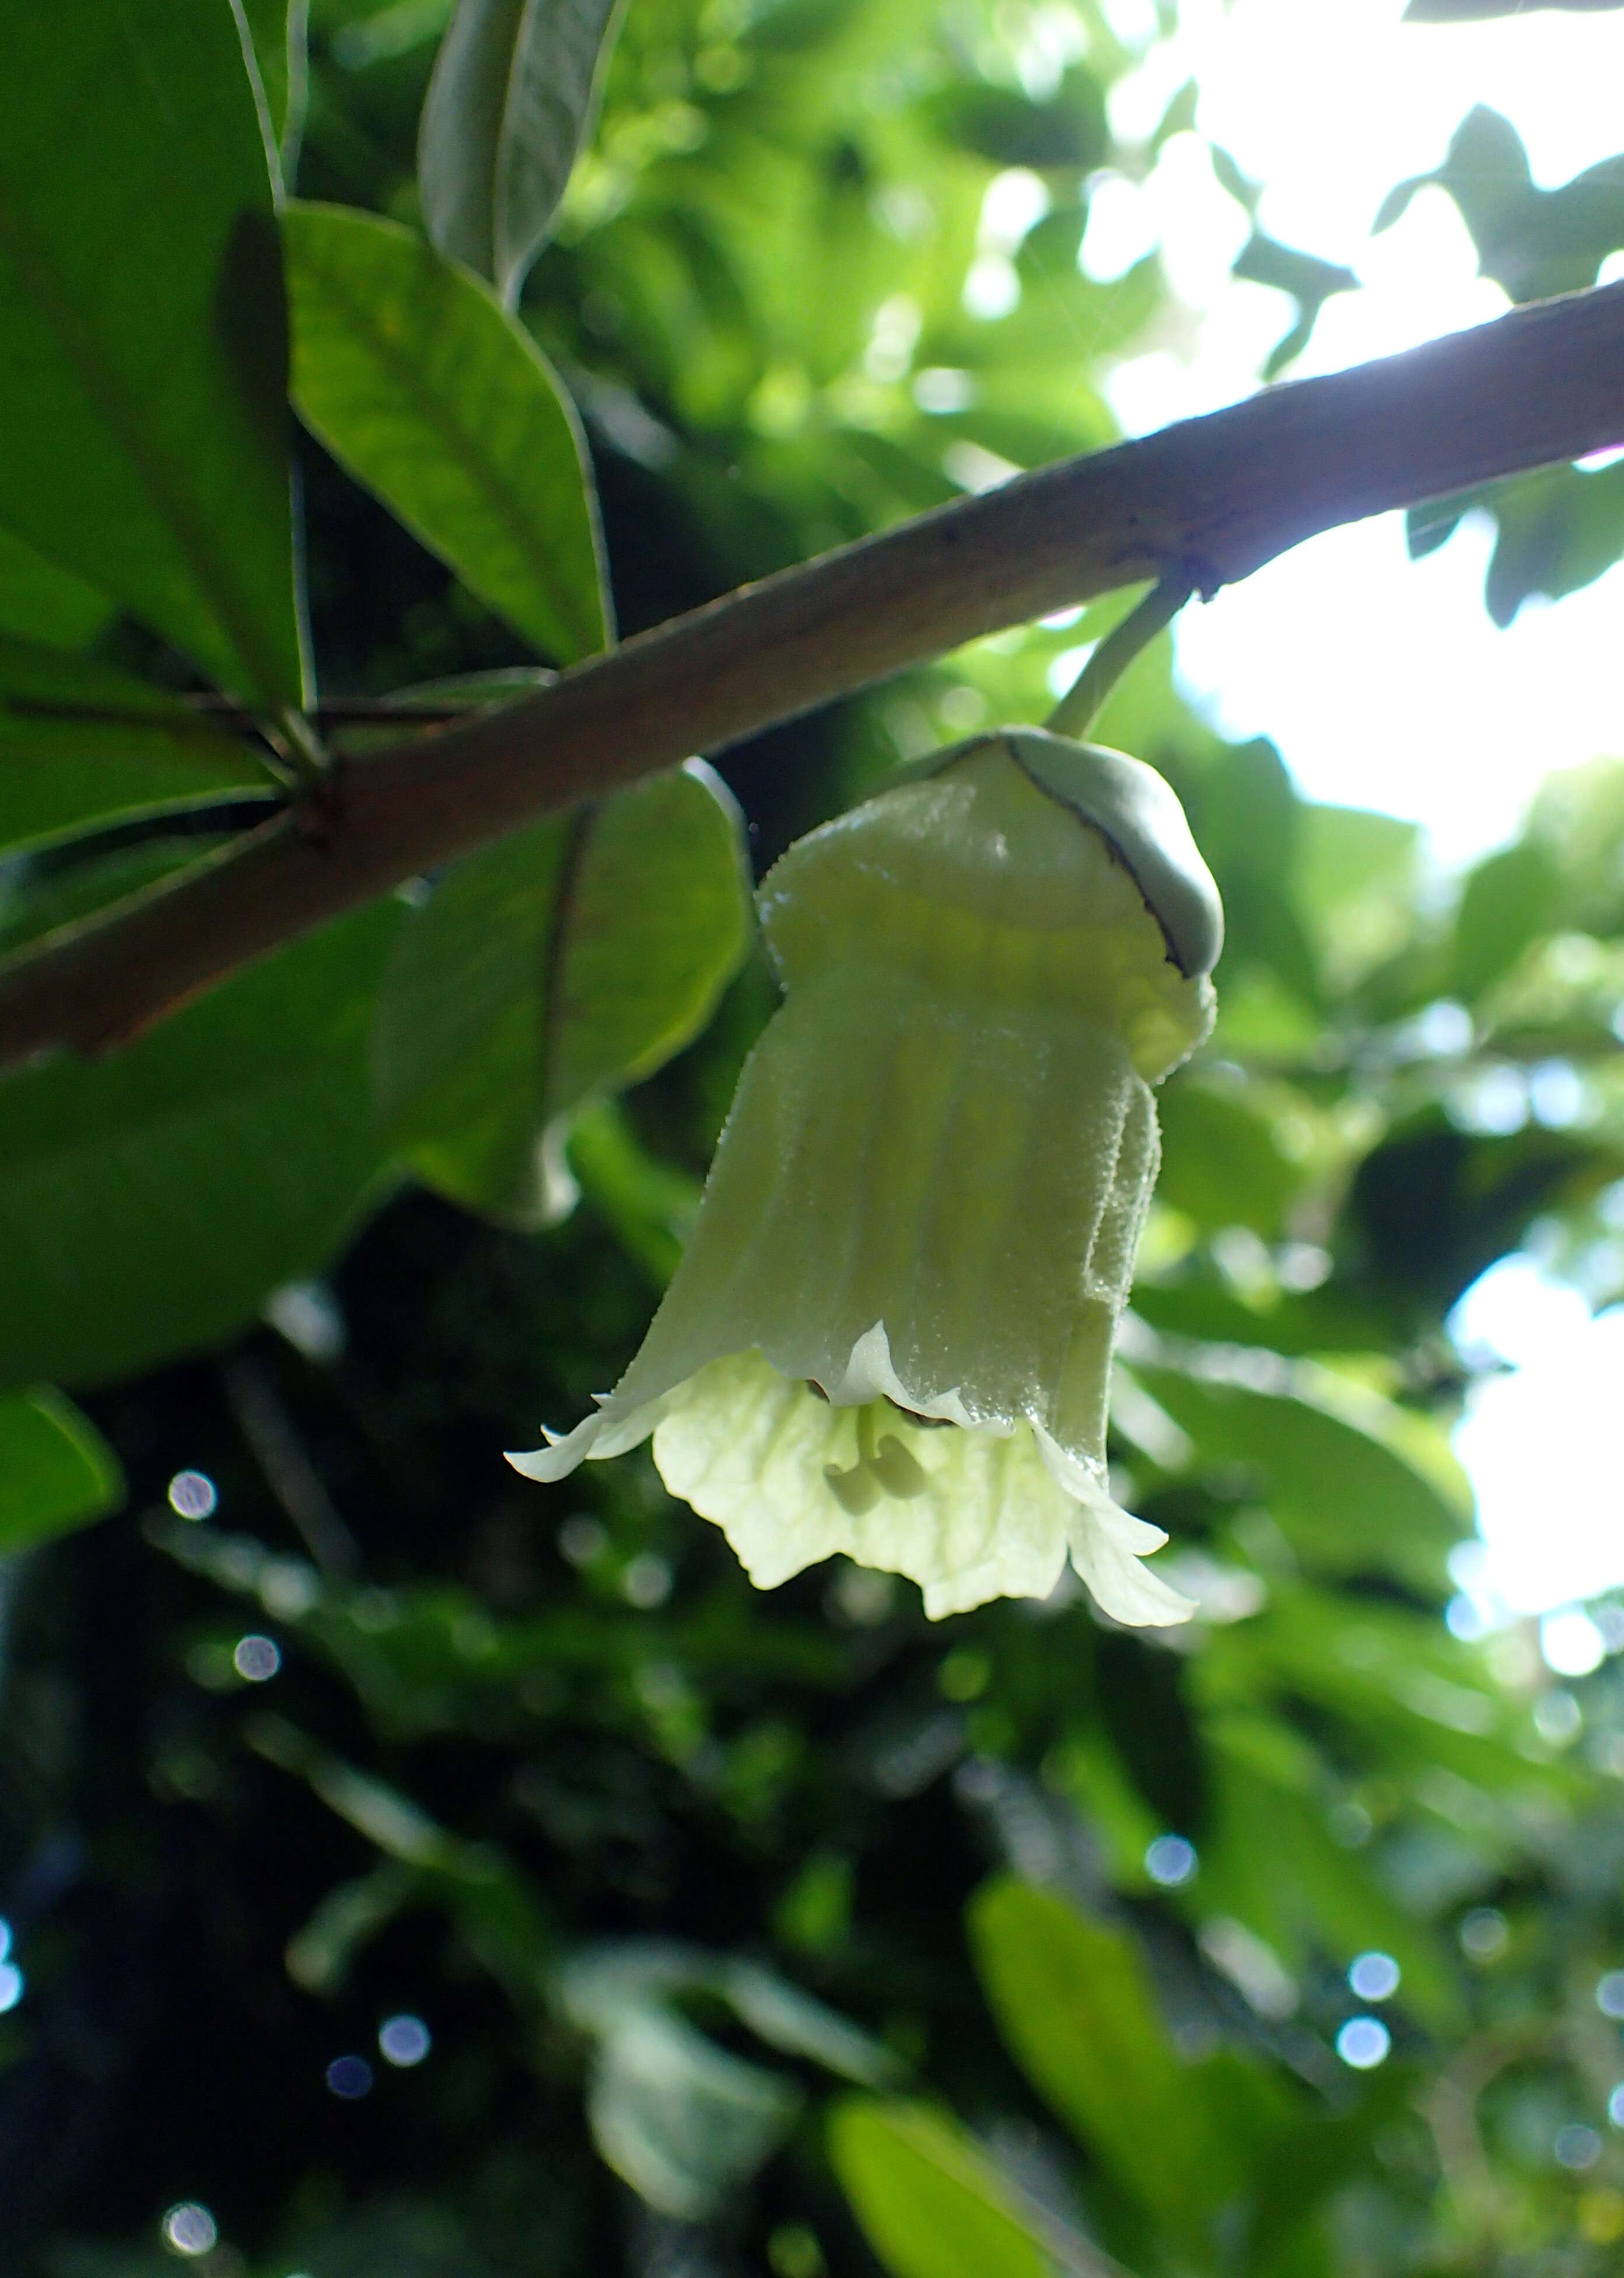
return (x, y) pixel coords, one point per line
(412, 1873)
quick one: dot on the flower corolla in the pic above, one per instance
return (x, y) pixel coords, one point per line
(891, 1336)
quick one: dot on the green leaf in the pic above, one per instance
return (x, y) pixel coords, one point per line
(930, 2202)
(142, 391)
(569, 960)
(1066, 131)
(1332, 1462)
(56, 1472)
(419, 382)
(276, 34)
(1221, 1162)
(1310, 281)
(1433, 1205)
(151, 1201)
(650, 1206)
(1534, 242)
(40, 602)
(514, 93)
(1073, 2002)
(1331, 1903)
(82, 744)
(1559, 530)
(1509, 900)
(683, 2120)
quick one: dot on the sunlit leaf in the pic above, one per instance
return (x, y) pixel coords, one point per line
(1074, 2003)
(1329, 1463)
(410, 373)
(931, 2204)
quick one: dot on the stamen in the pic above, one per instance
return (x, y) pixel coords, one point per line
(856, 1491)
(882, 1467)
(899, 1472)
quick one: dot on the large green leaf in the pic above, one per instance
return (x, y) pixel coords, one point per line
(1221, 1161)
(1433, 1205)
(414, 377)
(1330, 1903)
(569, 960)
(81, 744)
(930, 2202)
(1073, 2002)
(56, 1472)
(512, 98)
(40, 602)
(150, 1202)
(1333, 1464)
(141, 390)
(1508, 901)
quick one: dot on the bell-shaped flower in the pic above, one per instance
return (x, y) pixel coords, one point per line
(890, 1334)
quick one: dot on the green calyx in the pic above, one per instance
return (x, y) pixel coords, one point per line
(1020, 869)
(1138, 812)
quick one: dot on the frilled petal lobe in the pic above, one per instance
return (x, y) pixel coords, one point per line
(986, 1517)
(596, 1438)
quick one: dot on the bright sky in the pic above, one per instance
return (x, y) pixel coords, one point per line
(1383, 682)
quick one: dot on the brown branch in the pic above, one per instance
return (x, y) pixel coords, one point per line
(1215, 498)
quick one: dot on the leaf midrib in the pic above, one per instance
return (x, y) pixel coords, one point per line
(233, 614)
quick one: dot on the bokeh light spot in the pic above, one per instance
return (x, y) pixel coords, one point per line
(1363, 2043)
(193, 1494)
(405, 2039)
(189, 2229)
(350, 2077)
(646, 1582)
(1484, 1934)
(1571, 1643)
(1576, 2147)
(1374, 1976)
(1170, 1860)
(257, 1658)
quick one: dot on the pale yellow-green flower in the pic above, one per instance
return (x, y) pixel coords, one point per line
(891, 1336)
